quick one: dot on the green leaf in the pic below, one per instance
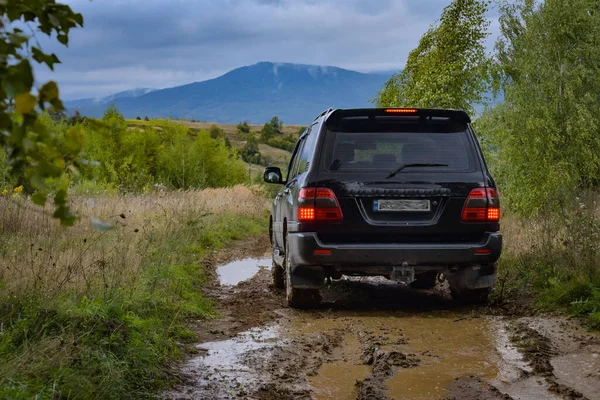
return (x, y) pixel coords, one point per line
(73, 141)
(43, 58)
(48, 92)
(25, 103)
(18, 79)
(64, 39)
(65, 216)
(39, 198)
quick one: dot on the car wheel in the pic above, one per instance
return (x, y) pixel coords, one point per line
(470, 296)
(300, 298)
(278, 274)
(426, 280)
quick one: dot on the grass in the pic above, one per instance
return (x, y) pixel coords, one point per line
(556, 259)
(101, 312)
(229, 129)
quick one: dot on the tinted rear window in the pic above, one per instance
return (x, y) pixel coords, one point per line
(385, 151)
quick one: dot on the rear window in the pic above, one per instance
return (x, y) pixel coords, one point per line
(386, 151)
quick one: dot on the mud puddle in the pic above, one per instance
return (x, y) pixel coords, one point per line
(241, 270)
(376, 340)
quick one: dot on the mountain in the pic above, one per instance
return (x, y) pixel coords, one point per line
(133, 93)
(295, 93)
(103, 102)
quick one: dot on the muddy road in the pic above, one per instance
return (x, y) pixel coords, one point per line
(373, 339)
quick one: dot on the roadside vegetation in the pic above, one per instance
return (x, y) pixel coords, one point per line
(99, 309)
(542, 140)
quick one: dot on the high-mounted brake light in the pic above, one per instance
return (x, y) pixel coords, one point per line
(401, 110)
(318, 205)
(482, 205)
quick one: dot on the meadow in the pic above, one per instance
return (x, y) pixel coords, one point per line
(99, 310)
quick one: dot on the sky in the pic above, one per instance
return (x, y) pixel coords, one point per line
(128, 44)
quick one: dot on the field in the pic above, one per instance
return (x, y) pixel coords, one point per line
(100, 310)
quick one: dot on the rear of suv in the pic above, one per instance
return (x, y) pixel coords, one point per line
(400, 193)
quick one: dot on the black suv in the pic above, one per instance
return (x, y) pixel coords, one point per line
(400, 193)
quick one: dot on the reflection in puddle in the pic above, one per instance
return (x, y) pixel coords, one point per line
(225, 358)
(512, 362)
(241, 270)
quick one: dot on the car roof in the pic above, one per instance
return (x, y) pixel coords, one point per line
(457, 115)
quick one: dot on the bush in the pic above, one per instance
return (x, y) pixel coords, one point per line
(555, 256)
(216, 132)
(287, 143)
(250, 152)
(134, 159)
(271, 129)
(185, 163)
(243, 127)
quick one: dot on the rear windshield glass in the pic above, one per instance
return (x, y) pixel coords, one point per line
(386, 151)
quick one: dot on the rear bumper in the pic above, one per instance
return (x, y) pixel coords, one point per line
(367, 257)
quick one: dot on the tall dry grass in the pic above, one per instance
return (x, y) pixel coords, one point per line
(41, 258)
(556, 257)
(98, 310)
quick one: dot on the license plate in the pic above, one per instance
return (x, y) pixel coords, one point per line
(402, 205)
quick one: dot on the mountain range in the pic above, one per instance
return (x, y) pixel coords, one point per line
(295, 93)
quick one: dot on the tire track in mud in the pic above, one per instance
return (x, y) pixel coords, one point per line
(376, 340)
(538, 351)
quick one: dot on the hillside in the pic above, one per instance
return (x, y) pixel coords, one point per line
(296, 93)
(273, 155)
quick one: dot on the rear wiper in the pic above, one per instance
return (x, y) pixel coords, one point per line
(336, 165)
(403, 166)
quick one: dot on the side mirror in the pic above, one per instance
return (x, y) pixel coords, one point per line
(273, 175)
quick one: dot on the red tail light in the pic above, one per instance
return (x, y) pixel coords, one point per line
(482, 205)
(401, 110)
(318, 205)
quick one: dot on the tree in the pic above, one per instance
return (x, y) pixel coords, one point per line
(146, 118)
(271, 129)
(546, 136)
(243, 127)
(277, 125)
(250, 152)
(216, 132)
(449, 68)
(138, 118)
(33, 148)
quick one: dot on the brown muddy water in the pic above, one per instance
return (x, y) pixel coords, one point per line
(373, 339)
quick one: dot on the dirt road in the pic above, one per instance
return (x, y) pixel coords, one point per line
(373, 339)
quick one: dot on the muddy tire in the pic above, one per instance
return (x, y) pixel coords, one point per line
(299, 298)
(425, 280)
(278, 274)
(470, 296)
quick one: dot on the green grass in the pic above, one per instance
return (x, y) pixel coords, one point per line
(119, 343)
(556, 262)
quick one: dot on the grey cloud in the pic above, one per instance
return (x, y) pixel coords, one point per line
(153, 43)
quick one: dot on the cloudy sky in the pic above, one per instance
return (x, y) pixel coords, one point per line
(129, 44)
